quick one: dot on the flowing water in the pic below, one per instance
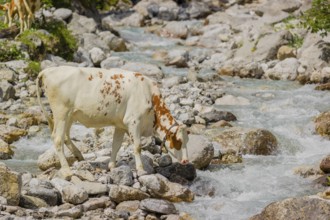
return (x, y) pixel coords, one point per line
(241, 190)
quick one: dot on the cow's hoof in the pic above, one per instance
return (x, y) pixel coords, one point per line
(65, 174)
(141, 173)
(111, 166)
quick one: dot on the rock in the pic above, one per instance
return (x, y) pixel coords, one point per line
(211, 114)
(308, 171)
(90, 40)
(158, 206)
(160, 187)
(246, 141)
(200, 151)
(6, 151)
(112, 42)
(49, 159)
(149, 70)
(323, 87)
(133, 20)
(169, 82)
(112, 62)
(198, 9)
(31, 202)
(74, 212)
(210, 37)
(70, 193)
(325, 164)
(122, 176)
(63, 13)
(322, 124)
(310, 207)
(80, 24)
(175, 29)
(81, 56)
(325, 194)
(96, 203)
(10, 134)
(286, 52)
(44, 190)
(128, 206)
(164, 160)
(3, 201)
(178, 173)
(164, 10)
(92, 188)
(97, 56)
(232, 100)
(7, 74)
(10, 185)
(147, 163)
(284, 70)
(7, 91)
(119, 193)
(85, 174)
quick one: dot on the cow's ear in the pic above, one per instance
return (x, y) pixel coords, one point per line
(175, 142)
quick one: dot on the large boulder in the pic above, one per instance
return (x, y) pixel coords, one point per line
(303, 208)
(322, 124)
(10, 185)
(200, 151)
(160, 187)
(245, 140)
(44, 190)
(284, 70)
(177, 172)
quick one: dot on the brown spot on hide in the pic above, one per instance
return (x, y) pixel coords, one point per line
(90, 78)
(100, 74)
(174, 142)
(137, 74)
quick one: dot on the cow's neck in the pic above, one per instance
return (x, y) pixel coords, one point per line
(165, 125)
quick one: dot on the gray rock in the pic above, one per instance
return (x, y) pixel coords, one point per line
(80, 24)
(6, 151)
(31, 202)
(90, 40)
(284, 70)
(7, 74)
(44, 190)
(49, 159)
(160, 187)
(112, 41)
(70, 193)
(165, 160)
(91, 188)
(158, 206)
(97, 55)
(310, 207)
(112, 62)
(198, 9)
(164, 10)
(96, 203)
(129, 206)
(149, 70)
(133, 20)
(232, 100)
(200, 151)
(178, 173)
(3, 201)
(169, 82)
(122, 176)
(176, 29)
(82, 56)
(7, 91)
(123, 193)
(63, 13)
(147, 163)
(10, 185)
(74, 212)
(210, 114)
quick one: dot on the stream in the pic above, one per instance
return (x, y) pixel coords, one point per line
(242, 190)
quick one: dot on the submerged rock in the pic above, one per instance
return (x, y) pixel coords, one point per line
(322, 124)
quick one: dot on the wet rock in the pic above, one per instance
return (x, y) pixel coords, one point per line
(129, 206)
(286, 52)
(158, 206)
(10, 185)
(284, 70)
(122, 176)
(325, 194)
(178, 173)
(160, 187)
(70, 193)
(322, 124)
(63, 14)
(31, 202)
(200, 151)
(10, 134)
(80, 24)
(6, 151)
(246, 140)
(310, 207)
(44, 190)
(211, 114)
(149, 70)
(97, 56)
(307, 171)
(7, 91)
(123, 193)
(323, 87)
(232, 100)
(325, 164)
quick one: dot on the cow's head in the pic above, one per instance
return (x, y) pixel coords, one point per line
(177, 144)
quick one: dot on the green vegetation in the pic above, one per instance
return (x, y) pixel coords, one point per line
(33, 69)
(10, 51)
(317, 18)
(296, 41)
(98, 4)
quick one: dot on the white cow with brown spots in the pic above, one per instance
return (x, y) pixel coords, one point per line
(97, 98)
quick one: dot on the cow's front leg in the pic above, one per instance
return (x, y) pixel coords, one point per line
(136, 135)
(58, 137)
(116, 143)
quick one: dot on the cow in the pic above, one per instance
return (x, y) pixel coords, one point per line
(25, 10)
(127, 100)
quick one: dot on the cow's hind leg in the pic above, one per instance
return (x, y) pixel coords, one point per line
(134, 130)
(72, 147)
(60, 122)
(116, 144)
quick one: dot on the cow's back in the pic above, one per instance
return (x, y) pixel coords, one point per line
(98, 97)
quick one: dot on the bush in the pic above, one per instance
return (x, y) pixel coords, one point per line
(33, 69)
(317, 17)
(10, 51)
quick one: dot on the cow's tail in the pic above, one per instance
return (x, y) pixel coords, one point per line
(47, 116)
